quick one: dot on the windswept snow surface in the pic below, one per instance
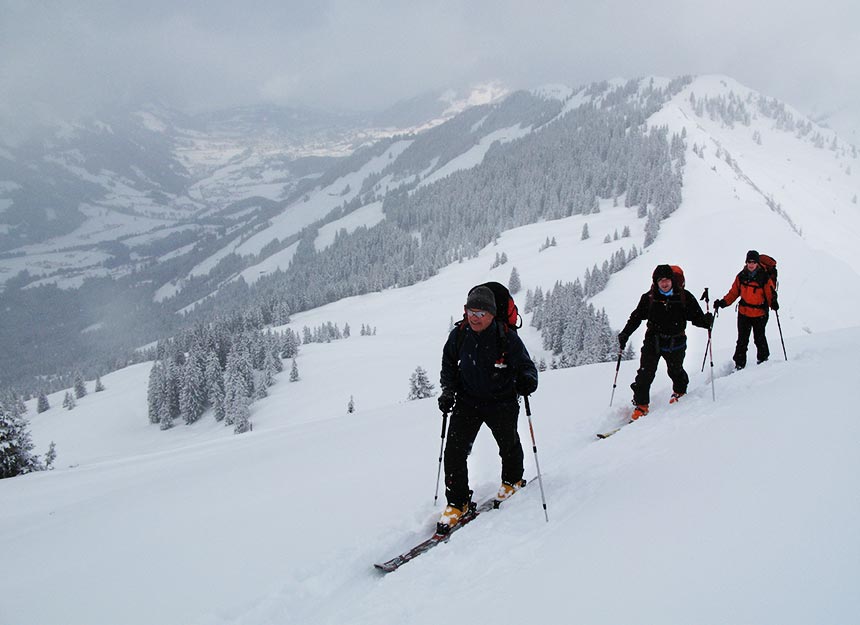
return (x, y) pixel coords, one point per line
(741, 510)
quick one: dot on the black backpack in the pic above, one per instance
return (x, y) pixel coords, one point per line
(506, 308)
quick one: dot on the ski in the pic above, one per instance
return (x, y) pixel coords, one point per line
(602, 435)
(474, 511)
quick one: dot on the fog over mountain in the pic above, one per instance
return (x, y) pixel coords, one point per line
(120, 230)
(61, 60)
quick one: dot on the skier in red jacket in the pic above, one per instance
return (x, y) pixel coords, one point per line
(757, 293)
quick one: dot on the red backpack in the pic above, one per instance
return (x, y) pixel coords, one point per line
(768, 263)
(678, 281)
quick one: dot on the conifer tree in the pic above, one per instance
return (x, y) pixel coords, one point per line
(50, 457)
(42, 403)
(214, 383)
(294, 372)
(241, 415)
(153, 392)
(420, 385)
(99, 386)
(514, 284)
(192, 393)
(350, 407)
(16, 446)
(236, 390)
(80, 387)
(585, 234)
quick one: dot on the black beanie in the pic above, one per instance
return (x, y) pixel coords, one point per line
(662, 271)
(482, 298)
(752, 255)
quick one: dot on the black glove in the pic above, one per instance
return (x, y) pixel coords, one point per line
(526, 385)
(719, 303)
(775, 305)
(709, 318)
(446, 400)
(622, 340)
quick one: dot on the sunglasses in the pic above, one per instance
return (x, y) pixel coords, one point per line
(752, 262)
(478, 314)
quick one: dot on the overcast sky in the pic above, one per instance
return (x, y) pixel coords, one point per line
(68, 57)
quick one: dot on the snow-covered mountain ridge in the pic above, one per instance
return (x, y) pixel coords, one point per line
(743, 150)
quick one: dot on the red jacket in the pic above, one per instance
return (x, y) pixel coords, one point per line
(755, 297)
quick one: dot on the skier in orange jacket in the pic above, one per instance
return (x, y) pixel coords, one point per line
(757, 293)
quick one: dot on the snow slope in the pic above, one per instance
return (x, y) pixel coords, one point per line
(734, 511)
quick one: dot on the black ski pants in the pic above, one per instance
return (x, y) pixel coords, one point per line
(756, 325)
(466, 419)
(672, 350)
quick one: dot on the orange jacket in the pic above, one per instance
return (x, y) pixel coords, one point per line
(755, 297)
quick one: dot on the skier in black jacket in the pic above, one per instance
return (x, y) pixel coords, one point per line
(484, 367)
(667, 307)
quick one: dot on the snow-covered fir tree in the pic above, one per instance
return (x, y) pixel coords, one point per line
(192, 393)
(420, 385)
(290, 344)
(294, 372)
(242, 417)
(80, 387)
(50, 457)
(237, 391)
(153, 392)
(16, 446)
(42, 403)
(514, 284)
(350, 407)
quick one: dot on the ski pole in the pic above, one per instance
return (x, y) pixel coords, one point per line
(711, 352)
(617, 367)
(707, 309)
(441, 450)
(778, 325)
(709, 348)
(534, 449)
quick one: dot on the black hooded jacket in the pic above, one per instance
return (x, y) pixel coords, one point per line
(667, 315)
(486, 366)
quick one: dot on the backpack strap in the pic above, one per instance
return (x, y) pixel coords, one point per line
(682, 293)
